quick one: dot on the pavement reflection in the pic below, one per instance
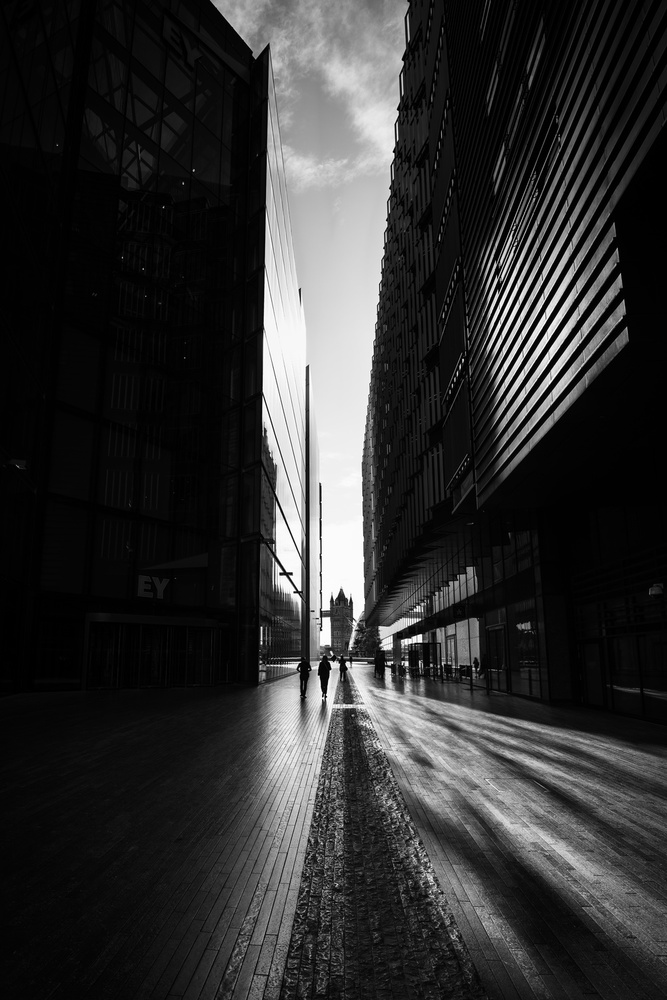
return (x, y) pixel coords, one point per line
(545, 826)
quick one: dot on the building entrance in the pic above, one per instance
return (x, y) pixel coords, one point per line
(423, 658)
(593, 674)
(143, 653)
(496, 659)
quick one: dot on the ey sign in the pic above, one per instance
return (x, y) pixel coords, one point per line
(152, 586)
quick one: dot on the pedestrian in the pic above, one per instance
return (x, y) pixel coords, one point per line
(475, 664)
(343, 669)
(323, 671)
(303, 670)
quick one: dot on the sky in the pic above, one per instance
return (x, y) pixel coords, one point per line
(336, 65)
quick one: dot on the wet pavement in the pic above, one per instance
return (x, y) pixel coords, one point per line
(371, 920)
(403, 839)
(546, 829)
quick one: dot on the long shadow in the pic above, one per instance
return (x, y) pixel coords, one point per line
(555, 751)
(583, 719)
(540, 918)
(580, 783)
(512, 722)
(536, 917)
(597, 771)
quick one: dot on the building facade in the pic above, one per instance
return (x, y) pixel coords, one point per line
(514, 524)
(312, 621)
(341, 616)
(155, 490)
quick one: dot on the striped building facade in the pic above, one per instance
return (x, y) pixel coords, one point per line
(514, 519)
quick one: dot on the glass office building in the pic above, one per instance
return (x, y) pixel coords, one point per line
(155, 500)
(515, 525)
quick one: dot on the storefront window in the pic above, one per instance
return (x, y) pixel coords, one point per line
(625, 676)
(653, 656)
(524, 654)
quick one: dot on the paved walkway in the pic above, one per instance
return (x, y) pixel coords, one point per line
(547, 829)
(157, 844)
(371, 920)
(154, 840)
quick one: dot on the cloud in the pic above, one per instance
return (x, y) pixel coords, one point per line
(306, 170)
(248, 16)
(353, 49)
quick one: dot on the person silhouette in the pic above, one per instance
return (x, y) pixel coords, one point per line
(303, 670)
(323, 672)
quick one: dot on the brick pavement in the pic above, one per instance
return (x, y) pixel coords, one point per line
(154, 842)
(546, 829)
(371, 920)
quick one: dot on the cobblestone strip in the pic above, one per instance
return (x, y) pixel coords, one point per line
(371, 920)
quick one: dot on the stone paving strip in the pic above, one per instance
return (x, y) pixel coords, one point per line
(371, 920)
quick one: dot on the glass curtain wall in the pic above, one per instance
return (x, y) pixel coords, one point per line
(156, 404)
(36, 63)
(283, 598)
(160, 191)
(159, 412)
(620, 611)
(474, 613)
(313, 625)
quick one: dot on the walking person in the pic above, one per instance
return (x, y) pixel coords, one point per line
(303, 670)
(343, 669)
(323, 672)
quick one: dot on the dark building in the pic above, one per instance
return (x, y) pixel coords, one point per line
(513, 508)
(155, 450)
(341, 616)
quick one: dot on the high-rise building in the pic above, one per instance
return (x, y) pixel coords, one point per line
(157, 467)
(514, 522)
(341, 616)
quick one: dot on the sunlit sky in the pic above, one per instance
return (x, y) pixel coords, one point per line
(336, 67)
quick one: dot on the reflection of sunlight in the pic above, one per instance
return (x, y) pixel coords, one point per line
(563, 797)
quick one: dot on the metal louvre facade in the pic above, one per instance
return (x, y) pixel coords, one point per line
(510, 461)
(567, 106)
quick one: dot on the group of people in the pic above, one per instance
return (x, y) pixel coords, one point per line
(323, 671)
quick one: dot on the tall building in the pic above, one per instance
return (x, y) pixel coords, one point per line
(341, 615)
(156, 496)
(513, 513)
(312, 620)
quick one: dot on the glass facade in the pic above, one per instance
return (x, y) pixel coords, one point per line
(155, 403)
(475, 616)
(620, 620)
(313, 624)
(284, 572)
